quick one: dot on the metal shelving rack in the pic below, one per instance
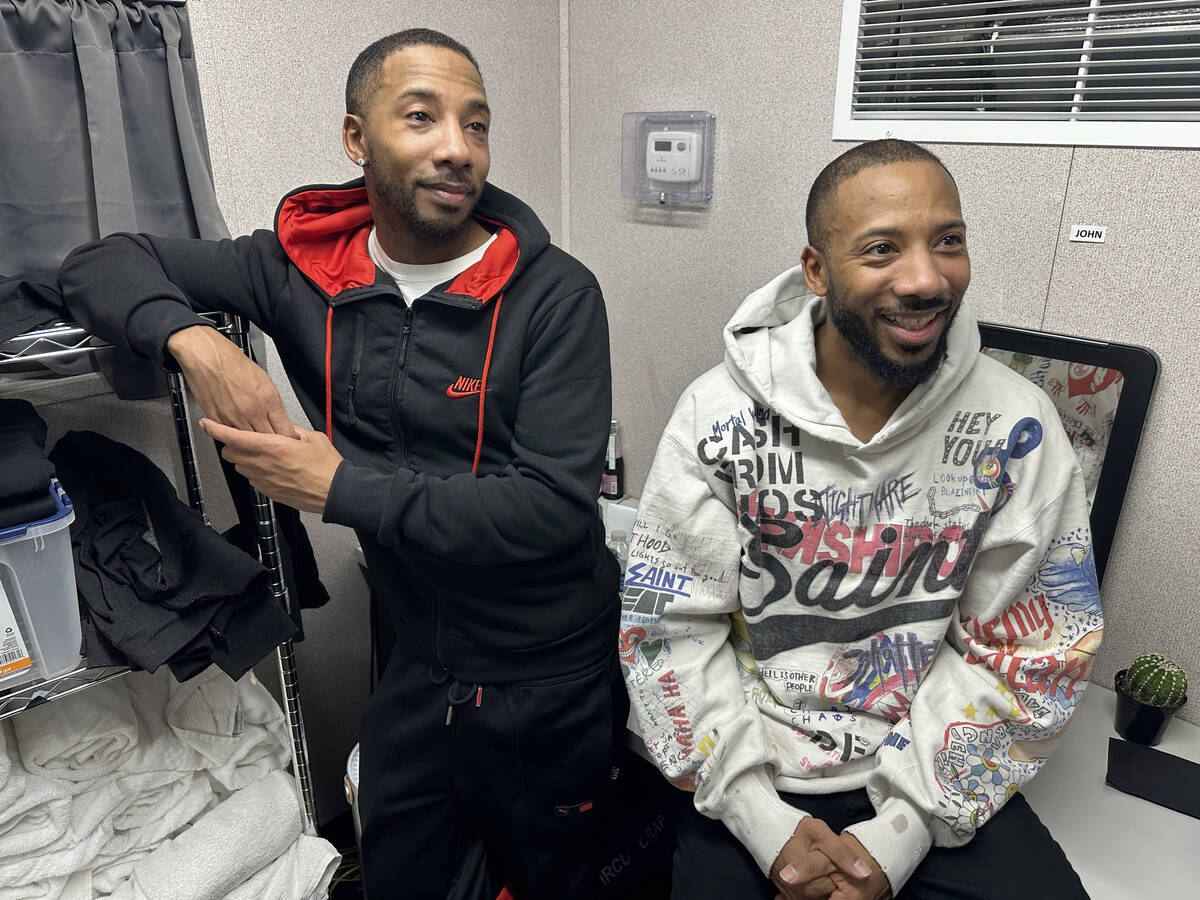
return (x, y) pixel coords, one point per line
(65, 340)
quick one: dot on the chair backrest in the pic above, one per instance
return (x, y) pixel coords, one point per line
(1102, 391)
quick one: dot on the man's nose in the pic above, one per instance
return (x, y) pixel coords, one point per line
(452, 146)
(919, 276)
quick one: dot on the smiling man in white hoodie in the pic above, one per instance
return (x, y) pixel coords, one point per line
(860, 605)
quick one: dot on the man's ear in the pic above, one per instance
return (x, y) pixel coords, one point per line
(354, 140)
(816, 270)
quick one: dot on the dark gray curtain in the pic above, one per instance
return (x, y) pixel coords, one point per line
(101, 129)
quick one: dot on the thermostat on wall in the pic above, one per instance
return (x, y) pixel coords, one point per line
(667, 157)
(673, 156)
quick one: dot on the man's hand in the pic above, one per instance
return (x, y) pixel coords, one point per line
(229, 387)
(874, 887)
(813, 858)
(296, 471)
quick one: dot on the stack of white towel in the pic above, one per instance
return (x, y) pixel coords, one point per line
(144, 789)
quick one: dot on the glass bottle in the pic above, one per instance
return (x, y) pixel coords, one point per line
(612, 482)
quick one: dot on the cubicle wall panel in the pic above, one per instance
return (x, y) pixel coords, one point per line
(1140, 286)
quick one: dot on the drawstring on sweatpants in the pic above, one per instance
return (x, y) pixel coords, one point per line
(457, 694)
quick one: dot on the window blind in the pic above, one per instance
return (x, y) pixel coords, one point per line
(1040, 60)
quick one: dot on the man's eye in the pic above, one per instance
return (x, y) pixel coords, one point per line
(480, 127)
(880, 249)
(952, 240)
(419, 115)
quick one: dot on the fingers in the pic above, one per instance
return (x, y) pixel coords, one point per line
(810, 863)
(228, 386)
(240, 443)
(819, 887)
(810, 867)
(229, 435)
(842, 856)
(260, 409)
(264, 407)
(279, 423)
(833, 853)
(306, 436)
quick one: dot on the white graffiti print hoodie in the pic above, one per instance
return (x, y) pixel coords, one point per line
(806, 613)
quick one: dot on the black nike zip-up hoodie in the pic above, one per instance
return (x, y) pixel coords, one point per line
(473, 424)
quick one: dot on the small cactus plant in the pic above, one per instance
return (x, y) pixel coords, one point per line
(1156, 681)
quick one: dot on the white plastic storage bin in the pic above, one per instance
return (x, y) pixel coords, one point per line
(40, 634)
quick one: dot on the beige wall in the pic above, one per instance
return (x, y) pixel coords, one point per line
(767, 71)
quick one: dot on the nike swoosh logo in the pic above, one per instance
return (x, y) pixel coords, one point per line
(464, 387)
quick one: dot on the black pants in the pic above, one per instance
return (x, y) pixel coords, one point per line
(525, 767)
(1012, 857)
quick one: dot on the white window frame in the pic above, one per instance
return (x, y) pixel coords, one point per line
(988, 131)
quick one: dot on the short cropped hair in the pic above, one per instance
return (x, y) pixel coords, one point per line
(845, 167)
(367, 71)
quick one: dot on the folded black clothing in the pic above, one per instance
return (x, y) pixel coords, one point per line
(25, 304)
(28, 510)
(157, 583)
(27, 472)
(1153, 775)
(21, 417)
(25, 488)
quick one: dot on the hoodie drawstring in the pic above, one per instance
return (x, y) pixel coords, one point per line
(329, 374)
(457, 694)
(487, 362)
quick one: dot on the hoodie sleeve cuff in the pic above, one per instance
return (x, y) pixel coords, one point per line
(898, 838)
(755, 815)
(357, 496)
(151, 324)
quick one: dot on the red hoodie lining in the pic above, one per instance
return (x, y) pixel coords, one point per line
(485, 279)
(325, 234)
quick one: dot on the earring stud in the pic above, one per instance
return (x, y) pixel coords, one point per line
(361, 161)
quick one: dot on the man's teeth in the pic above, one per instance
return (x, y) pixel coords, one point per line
(912, 323)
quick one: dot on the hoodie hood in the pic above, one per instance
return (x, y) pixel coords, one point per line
(775, 327)
(324, 229)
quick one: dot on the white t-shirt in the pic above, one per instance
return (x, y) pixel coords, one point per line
(415, 281)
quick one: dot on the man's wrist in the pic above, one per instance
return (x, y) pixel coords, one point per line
(187, 343)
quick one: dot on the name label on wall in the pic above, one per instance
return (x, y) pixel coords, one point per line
(1089, 234)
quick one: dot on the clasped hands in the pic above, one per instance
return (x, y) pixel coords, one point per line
(816, 864)
(243, 410)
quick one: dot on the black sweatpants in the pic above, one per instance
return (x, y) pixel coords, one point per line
(710, 863)
(524, 766)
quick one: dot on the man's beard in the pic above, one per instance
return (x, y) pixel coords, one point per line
(403, 199)
(858, 335)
